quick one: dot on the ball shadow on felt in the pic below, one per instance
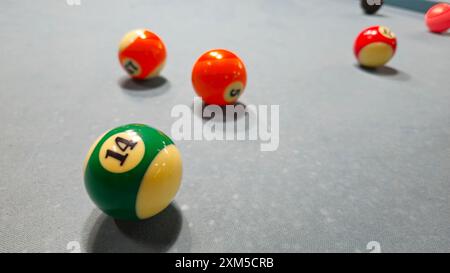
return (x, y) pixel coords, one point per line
(385, 71)
(149, 87)
(204, 112)
(153, 235)
(243, 115)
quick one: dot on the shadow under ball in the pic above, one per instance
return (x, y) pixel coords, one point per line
(371, 6)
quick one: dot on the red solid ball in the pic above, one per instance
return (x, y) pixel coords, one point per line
(219, 77)
(438, 18)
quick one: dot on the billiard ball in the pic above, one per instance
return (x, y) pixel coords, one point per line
(142, 54)
(371, 6)
(438, 18)
(219, 77)
(132, 172)
(375, 46)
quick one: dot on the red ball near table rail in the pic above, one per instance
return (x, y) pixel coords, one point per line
(142, 54)
(219, 77)
(375, 46)
(438, 18)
